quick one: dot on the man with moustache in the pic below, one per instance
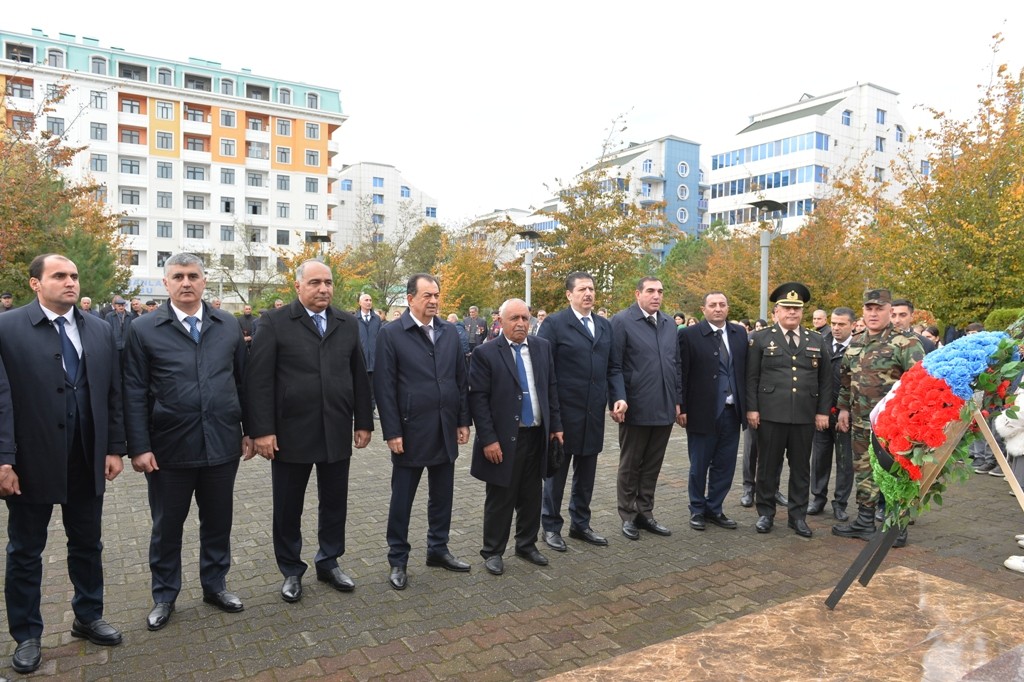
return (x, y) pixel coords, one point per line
(588, 380)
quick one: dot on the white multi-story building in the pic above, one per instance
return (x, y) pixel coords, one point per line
(199, 158)
(789, 154)
(376, 202)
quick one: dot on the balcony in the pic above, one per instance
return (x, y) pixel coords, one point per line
(333, 147)
(197, 127)
(257, 192)
(702, 204)
(652, 176)
(257, 135)
(190, 155)
(646, 201)
(133, 120)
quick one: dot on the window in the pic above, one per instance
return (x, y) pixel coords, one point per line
(227, 205)
(55, 58)
(227, 119)
(879, 144)
(378, 237)
(97, 99)
(312, 185)
(682, 215)
(284, 182)
(164, 77)
(22, 123)
(284, 155)
(847, 117)
(164, 140)
(311, 211)
(162, 257)
(405, 192)
(227, 87)
(52, 92)
(164, 229)
(130, 257)
(378, 182)
(378, 199)
(20, 53)
(164, 170)
(195, 144)
(431, 212)
(131, 106)
(164, 200)
(683, 169)
(198, 83)
(254, 234)
(312, 100)
(879, 174)
(284, 96)
(647, 166)
(227, 233)
(254, 207)
(195, 230)
(283, 211)
(926, 168)
(193, 114)
(312, 158)
(98, 65)
(227, 260)
(282, 237)
(646, 189)
(195, 172)
(378, 219)
(227, 147)
(880, 116)
(165, 111)
(227, 176)
(255, 262)
(254, 179)
(130, 166)
(683, 192)
(130, 196)
(899, 134)
(133, 73)
(98, 163)
(346, 185)
(257, 150)
(313, 131)
(130, 136)
(196, 202)
(55, 125)
(18, 89)
(284, 127)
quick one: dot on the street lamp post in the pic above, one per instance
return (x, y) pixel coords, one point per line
(530, 237)
(767, 206)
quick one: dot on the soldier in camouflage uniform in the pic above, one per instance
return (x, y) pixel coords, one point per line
(875, 360)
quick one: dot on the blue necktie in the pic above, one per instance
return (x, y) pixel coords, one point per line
(319, 322)
(193, 327)
(67, 349)
(527, 416)
(586, 325)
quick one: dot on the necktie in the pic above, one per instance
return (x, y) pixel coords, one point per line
(527, 415)
(586, 325)
(653, 321)
(67, 350)
(193, 327)
(792, 338)
(428, 331)
(318, 320)
(723, 347)
(837, 349)
(366, 319)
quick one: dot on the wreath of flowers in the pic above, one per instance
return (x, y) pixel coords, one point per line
(972, 372)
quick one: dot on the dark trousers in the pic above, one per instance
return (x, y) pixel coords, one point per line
(523, 495)
(750, 461)
(440, 488)
(26, 539)
(824, 444)
(584, 471)
(289, 483)
(641, 453)
(713, 462)
(170, 498)
(775, 440)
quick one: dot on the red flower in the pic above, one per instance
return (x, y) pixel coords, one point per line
(917, 413)
(1003, 386)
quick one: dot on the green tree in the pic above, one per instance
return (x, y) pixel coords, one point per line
(424, 250)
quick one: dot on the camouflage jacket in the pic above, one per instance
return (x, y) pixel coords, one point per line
(871, 365)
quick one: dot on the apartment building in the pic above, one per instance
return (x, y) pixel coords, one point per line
(375, 202)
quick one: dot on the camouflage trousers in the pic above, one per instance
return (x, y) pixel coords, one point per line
(867, 489)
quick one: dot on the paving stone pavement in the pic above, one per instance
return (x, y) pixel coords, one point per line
(589, 604)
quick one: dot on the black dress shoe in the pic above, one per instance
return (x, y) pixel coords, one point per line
(747, 499)
(397, 578)
(697, 522)
(651, 525)
(448, 562)
(494, 565)
(98, 632)
(337, 579)
(533, 556)
(27, 656)
(722, 521)
(815, 507)
(291, 589)
(630, 531)
(554, 540)
(781, 500)
(160, 615)
(588, 536)
(839, 513)
(801, 527)
(764, 524)
(224, 600)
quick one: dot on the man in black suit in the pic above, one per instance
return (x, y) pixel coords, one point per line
(184, 365)
(369, 326)
(420, 385)
(119, 319)
(789, 391)
(247, 323)
(712, 366)
(305, 385)
(588, 380)
(514, 402)
(63, 417)
(646, 347)
(828, 440)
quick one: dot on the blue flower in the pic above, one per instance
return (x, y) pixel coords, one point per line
(960, 362)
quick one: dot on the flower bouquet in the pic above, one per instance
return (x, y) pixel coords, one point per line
(926, 423)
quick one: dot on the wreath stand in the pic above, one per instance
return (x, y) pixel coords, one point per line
(868, 561)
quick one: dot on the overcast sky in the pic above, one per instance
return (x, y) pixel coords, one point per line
(481, 103)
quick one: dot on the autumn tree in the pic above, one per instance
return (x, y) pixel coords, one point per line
(467, 273)
(349, 281)
(381, 252)
(424, 250)
(249, 269)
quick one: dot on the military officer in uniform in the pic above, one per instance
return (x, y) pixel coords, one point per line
(789, 393)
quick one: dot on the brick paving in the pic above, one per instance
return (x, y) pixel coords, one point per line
(588, 605)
